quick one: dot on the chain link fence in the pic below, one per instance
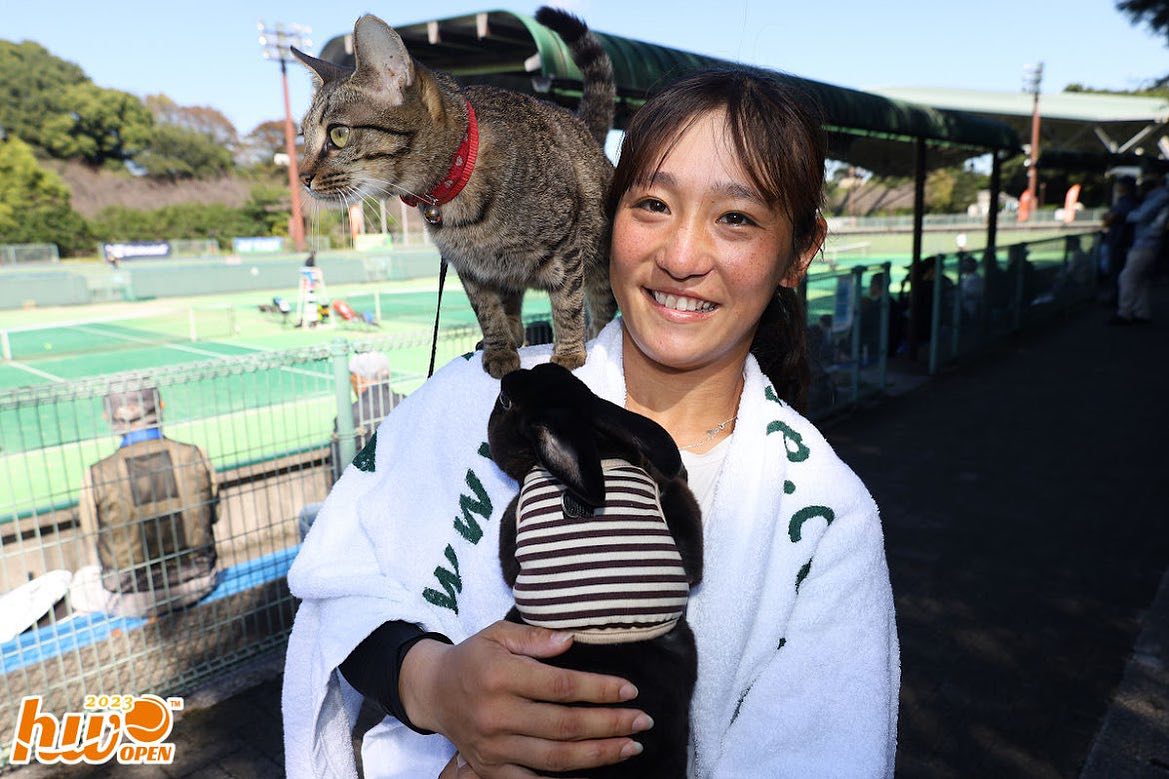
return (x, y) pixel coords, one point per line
(28, 253)
(101, 520)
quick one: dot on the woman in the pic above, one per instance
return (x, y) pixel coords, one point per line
(715, 207)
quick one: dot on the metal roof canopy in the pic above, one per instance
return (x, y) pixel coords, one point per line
(1069, 121)
(517, 52)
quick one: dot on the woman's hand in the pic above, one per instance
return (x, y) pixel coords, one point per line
(502, 708)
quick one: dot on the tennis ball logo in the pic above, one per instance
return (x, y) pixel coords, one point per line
(148, 721)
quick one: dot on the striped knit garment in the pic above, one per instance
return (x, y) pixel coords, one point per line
(612, 577)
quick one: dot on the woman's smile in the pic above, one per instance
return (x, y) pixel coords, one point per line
(682, 303)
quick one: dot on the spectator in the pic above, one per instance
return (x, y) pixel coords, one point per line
(147, 510)
(871, 318)
(1148, 220)
(1119, 234)
(369, 375)
(1017, 263)
(971, 285)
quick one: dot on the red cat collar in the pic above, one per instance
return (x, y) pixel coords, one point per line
(460, 171)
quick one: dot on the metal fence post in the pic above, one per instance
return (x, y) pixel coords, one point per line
(339, 350)
(936, 312)
(955, 341)
(1020, 275)
(856, 333)
(886, 305)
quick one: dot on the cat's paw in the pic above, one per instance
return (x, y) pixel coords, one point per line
(502, 362)
(569, 358)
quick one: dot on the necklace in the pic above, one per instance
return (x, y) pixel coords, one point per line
(712, 433)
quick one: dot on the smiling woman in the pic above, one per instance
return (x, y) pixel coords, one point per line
(715, 214)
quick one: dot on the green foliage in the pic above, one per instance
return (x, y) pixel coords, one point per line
(1161, 91)
(1153, 13)
(35, 203)
(97, 125)
(177, 153)
(204, 120)
(34, 82)
(189, 220)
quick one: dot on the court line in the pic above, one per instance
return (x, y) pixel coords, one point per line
(180, 347)
(36, 371)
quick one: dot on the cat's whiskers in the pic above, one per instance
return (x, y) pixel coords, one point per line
(402, 190)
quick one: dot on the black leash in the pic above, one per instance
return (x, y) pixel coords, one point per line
(438, 308)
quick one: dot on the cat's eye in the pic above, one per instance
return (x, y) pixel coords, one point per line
(339, 136)
(504, 400)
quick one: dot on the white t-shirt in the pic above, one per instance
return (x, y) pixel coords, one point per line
(702, 472)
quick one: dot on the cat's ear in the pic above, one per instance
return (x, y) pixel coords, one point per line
(323, 71)
(383, 64)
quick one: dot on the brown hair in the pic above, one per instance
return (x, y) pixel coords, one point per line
(777, 136)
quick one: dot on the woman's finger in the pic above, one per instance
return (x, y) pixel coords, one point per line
(577, 723)
(541, 682)
(544, 755)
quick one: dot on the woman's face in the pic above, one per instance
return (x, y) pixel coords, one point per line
(697, 254)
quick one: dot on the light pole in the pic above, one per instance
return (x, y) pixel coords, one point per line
(276, 42)
(1032, 77)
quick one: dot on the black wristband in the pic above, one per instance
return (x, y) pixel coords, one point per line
(396, 708)
(374, 666)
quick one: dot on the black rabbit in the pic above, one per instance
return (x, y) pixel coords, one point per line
(575, 454)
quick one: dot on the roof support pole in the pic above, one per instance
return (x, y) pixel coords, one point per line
(992, 216)
(992, 229)
(916, 326)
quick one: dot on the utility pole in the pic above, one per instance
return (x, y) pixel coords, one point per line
(1032, 77)
(276, 42)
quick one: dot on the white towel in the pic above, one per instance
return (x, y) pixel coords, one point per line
(791, 682)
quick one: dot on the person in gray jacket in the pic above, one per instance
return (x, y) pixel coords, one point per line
(1148, 220)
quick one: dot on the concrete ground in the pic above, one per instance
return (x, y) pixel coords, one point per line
(1024, 495)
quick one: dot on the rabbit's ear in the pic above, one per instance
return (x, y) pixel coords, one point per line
(565, 446)
(639, 433)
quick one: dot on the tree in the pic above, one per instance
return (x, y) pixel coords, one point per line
(35, 204)
(199, 119)
(98, 125)
(1152, 13)
(265, 140)
(34, 82)
(174, 152)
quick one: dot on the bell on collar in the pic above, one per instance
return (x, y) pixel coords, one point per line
(433, 214)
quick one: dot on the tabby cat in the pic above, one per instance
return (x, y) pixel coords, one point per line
(531, 214)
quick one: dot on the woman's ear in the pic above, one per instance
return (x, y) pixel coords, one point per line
(799, 267)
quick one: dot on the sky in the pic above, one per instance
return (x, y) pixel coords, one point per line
(207, 53)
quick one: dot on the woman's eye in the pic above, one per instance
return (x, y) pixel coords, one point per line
(736, 218)
(339, 136)
(653, 205)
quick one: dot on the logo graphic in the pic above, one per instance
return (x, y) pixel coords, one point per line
(131, 727)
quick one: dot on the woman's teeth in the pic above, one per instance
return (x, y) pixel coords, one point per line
(682, 304)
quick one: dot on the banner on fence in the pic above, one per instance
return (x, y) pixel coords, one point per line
(135, 250)
(365, 242)
(843, 305)
(258, 244)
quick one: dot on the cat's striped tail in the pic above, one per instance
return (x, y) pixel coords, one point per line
(598, 102)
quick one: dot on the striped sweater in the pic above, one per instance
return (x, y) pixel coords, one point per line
(612, 577)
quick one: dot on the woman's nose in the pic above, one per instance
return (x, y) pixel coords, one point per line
(686, 252)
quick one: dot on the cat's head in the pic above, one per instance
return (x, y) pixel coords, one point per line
(377, 130)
